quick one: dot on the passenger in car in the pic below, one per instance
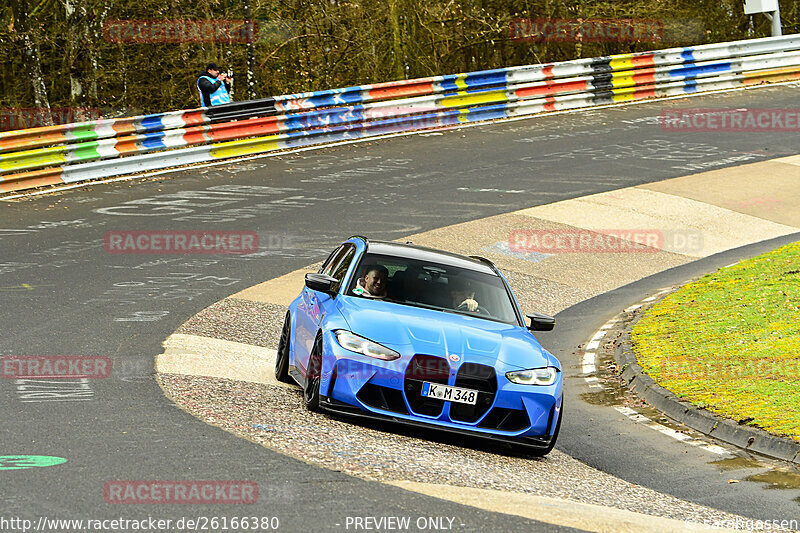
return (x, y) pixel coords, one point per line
(373, 283)
(462, 295)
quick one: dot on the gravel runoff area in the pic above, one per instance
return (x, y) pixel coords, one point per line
(273, 416)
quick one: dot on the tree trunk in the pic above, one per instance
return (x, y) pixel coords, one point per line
(97, 22)
(398, 53)
(251, 51)
(30, 51)
(76, 37)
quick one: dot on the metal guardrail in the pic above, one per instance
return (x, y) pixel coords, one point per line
(89, 150)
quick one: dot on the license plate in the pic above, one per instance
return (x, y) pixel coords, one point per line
(451, 394)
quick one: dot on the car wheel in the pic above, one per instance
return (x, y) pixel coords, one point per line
(313, 375)
(545, 451)
(282, 357)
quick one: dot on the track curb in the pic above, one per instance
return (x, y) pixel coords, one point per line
(746, 437)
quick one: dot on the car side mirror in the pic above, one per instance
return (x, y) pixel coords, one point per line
(541, 322)
(320, 282)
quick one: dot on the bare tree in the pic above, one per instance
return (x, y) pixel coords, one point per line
(250, 79)
(308, 45)
(30, 51)
(398, 51)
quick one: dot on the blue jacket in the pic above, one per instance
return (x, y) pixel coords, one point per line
(212, 91)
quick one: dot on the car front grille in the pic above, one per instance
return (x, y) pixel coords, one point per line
(425, 368)
(477, 377)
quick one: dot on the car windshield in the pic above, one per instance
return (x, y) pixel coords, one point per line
(433, 286)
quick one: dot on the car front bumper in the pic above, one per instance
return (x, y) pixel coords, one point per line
(391, 391)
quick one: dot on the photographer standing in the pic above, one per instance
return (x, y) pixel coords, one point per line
(214, 86)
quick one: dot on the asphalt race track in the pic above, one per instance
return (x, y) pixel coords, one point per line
(63, 294)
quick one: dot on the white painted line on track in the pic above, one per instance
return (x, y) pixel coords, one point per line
(677, 435)
(669, 432)
(599, 335)
(588, 366)
(633, 308)
(713, 448)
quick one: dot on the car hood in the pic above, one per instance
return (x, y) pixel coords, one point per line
(432, 332)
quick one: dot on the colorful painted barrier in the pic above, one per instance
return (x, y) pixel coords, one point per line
(83, 151)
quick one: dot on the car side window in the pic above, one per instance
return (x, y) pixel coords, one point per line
(333, 261)
(341, 269)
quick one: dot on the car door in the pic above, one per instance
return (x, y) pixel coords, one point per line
(314, 306)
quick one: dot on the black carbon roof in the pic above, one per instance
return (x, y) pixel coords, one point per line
(422, 253)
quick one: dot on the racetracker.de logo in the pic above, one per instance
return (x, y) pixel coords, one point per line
(181, 31)
(188, 492)
(54, 366)
(586, 30)
(181, 242)
(561, 241)
(720, 119)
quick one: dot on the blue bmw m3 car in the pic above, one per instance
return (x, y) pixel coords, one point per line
(420, 336)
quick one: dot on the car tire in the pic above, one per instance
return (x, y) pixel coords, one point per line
(282, 356)
(545, 451)
(313, 377)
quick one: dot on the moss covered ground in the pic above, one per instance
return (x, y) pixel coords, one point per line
(730, 341)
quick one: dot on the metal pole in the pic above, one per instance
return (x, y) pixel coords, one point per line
(776, 21)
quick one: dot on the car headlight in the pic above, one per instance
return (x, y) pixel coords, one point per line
(534, 376)
(354, 343)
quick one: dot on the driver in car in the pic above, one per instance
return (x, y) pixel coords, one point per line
(373, 283)
(463, 296)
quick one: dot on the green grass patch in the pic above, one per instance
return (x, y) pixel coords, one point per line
(730, 341)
